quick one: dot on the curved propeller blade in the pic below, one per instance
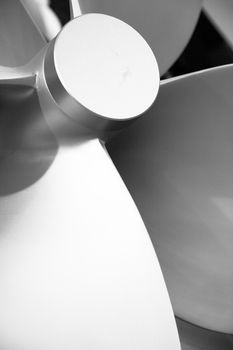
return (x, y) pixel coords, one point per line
(178, 163)
(166, 24)
(20, 39)
(196, 338)
(75, 10)
(16, 76)
(44, 17)
(220, 12)
(77, 267)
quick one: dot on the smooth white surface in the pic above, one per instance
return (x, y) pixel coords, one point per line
(167, 25)
(220, 12)
(106, 66)
(77, 267)
(178, 165)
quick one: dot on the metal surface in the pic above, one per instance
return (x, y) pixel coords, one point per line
(27, 146)
(77, 267)
(177, 163)
(100, 83)
(196, 338)
(167, 25)
(220, 13)
(44, 17)
(17, 76)
(20, 39)
(75, 10)
(110, 70)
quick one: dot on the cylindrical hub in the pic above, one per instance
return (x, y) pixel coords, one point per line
(101, 72)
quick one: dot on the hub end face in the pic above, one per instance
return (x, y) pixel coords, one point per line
(104, 67)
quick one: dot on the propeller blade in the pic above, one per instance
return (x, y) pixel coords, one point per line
(167, 25)
(16, 76)
(177, 162)
(196, 338)
(75, 10)
(77, 267)
(44, 17)
(20, 39)
(220, 13)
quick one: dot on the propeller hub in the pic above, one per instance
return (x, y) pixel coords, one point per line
(100, 70)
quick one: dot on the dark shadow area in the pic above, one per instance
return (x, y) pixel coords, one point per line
(206, 49)
(27, 147)
(197, 338)
(61, 7)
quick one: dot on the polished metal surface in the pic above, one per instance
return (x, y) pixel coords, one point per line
(167, 25)
(100, 69)
(75, 10)
(177, 163)
(17, 76)
(68, 274)
(27, 146)
(20, 39)
(100, 83)
(196, 338)
(77, 266)
(220, 13)
(43, 16)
